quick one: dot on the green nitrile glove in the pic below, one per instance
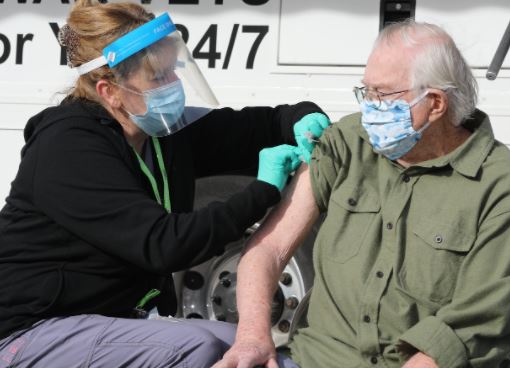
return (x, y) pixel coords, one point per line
(276, 163)
(308, 130)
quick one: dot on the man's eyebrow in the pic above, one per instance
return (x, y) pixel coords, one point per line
(371, 86)
(374, 87)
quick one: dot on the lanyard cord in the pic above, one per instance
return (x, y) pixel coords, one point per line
(147, 172)
(150, 295)
(166, 197)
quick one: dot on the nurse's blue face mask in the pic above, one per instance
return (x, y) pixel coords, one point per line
(165, 106)
(155, 56)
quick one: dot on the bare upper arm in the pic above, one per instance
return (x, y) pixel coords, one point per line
(289, 222)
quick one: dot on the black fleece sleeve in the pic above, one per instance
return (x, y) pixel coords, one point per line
(226, 140)
(84, 185)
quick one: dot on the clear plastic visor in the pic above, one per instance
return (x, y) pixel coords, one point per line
(166, 63)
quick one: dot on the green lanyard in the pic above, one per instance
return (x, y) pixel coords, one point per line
(147, 172)
(166, 197)
(150, 295)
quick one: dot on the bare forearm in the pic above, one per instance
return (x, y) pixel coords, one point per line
(268, 252)
(258, 274)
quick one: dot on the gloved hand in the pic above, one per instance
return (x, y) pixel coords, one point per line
(276, 163)
(308, 130)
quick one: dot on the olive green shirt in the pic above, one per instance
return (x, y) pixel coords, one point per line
(409, 259)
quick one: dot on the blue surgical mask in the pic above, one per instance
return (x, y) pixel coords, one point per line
(390, 126)
(165, 106)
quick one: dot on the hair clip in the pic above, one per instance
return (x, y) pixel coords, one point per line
(70, 40)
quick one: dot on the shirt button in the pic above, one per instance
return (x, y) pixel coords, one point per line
(373, 360)
(352, 202)
(406, 178)
(366, 318)
(438, 239)
(389, 226)
(379, 274)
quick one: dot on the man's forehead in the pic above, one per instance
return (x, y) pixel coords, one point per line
(388, 66)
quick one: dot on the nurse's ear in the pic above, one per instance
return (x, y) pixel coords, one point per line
(108, 93)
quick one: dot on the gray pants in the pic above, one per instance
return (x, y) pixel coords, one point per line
(96, 341)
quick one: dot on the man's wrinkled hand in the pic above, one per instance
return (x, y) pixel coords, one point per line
(420, 360)
(249, 355)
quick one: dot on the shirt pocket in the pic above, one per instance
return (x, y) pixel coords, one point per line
(434, 252)
(351, 212)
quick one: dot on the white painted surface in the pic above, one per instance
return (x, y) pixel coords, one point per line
(330, 32)
(476, 26)
(307, 54)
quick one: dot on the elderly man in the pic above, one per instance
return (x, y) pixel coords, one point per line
(412, 262)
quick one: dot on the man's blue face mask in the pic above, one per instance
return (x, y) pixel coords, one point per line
(165, 106)
(390, 126)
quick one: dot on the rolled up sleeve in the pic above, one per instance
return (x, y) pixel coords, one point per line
(436, 339)
(327, 160)
(474, 328)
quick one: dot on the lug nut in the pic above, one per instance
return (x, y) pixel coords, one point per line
(286, 279)
(225, 282)
(194, 316)
(216, 300)
(223, 274)
(193, 280)
(284, 326)
(292, 302)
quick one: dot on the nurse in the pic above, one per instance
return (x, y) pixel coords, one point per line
(100, 213)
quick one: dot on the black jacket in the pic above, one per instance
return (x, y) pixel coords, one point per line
(81, 231)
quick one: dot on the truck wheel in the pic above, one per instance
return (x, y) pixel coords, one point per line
(208, 291)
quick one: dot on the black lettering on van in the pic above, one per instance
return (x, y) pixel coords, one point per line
(255, 2)
(63, 54)
(6, 46)
(20, 43)
(184, 32)
(185, 2)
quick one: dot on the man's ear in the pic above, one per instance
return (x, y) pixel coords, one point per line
(108, 93)
(438, 100)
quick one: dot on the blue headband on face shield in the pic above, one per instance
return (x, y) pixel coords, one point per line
(131, 43)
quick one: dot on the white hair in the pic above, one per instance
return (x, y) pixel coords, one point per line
(437, 64)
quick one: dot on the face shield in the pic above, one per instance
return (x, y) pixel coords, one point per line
(156, 72)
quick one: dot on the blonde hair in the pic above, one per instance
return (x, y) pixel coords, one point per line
(91, 26)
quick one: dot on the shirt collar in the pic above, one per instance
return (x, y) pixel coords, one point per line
(475, 150)
(468, 158)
